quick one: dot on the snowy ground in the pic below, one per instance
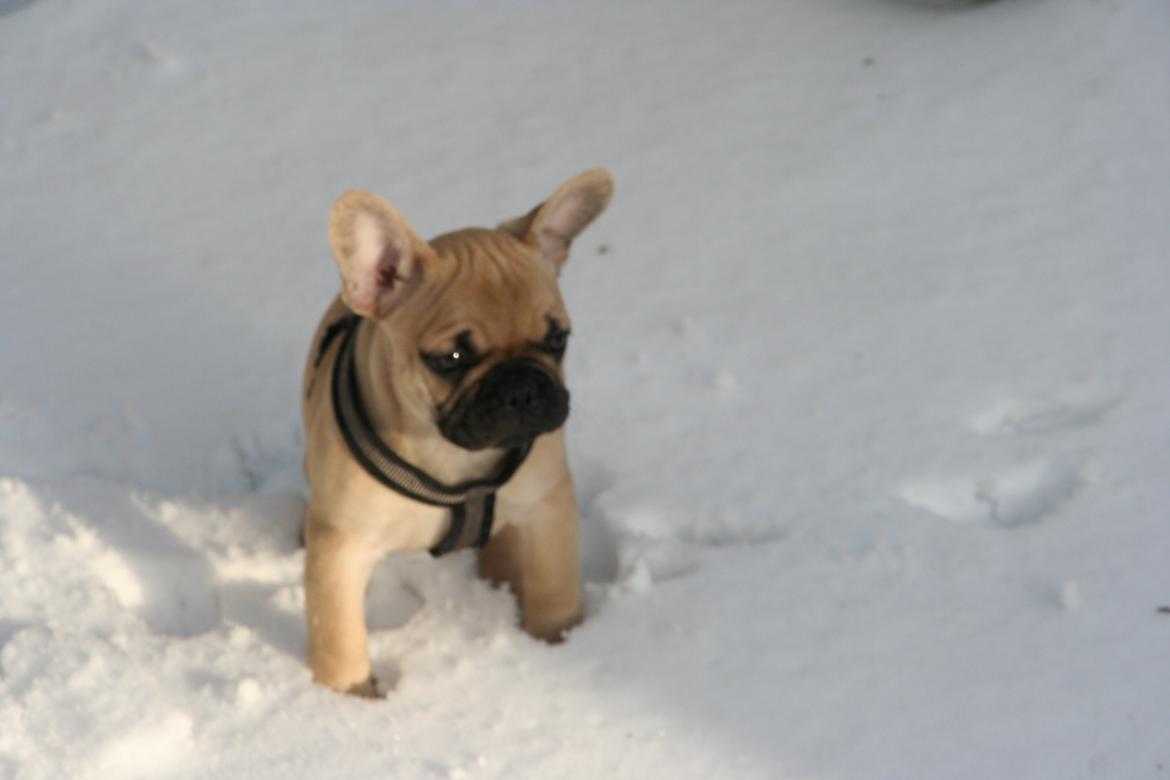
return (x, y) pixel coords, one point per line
(871, 392)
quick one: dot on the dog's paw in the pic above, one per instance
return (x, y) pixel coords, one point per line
(548, 630)
(366, 689)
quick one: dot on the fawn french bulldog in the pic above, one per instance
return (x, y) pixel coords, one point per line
(433, 406)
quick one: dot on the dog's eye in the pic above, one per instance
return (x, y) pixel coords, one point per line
(555, 340)
(445, 364)
(450, 365)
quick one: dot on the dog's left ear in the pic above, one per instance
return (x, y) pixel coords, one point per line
(552, 226)
(377, 252)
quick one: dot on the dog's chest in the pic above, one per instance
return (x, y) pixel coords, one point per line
(389, 521)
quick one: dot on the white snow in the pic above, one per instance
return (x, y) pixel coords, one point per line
(871, 398)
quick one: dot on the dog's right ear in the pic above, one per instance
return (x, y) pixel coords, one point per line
(377, 253)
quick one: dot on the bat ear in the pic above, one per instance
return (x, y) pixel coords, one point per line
(552, 226)
(377, 252)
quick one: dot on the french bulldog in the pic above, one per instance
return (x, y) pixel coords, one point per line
(433, 405)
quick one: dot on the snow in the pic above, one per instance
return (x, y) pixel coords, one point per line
(871, 406)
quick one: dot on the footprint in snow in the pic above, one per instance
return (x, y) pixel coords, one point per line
(1028, 492)
(1022, 417)
(1019, 496)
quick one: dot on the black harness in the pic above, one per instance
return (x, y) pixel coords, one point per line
(472, 503)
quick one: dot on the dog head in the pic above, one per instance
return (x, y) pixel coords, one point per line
(473, 321)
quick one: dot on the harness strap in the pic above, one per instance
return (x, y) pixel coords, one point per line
(472, 503)
(331, 331)
(471, 524)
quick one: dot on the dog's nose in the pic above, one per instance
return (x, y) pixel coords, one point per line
(523, 395)
(524, 389)
(516, 401)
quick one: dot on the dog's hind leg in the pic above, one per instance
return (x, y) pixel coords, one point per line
(337, 571)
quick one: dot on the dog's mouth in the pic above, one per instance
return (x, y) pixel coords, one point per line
(515, 402)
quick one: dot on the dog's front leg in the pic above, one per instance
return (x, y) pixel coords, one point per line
(337, 571)
(536, 554)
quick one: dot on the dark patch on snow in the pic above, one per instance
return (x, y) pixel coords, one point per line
(8, 7)
(947, 5)
(10, 628)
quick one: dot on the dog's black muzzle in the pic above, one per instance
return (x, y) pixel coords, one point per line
(513, 403)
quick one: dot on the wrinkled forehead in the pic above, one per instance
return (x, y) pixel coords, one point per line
(490, 283)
